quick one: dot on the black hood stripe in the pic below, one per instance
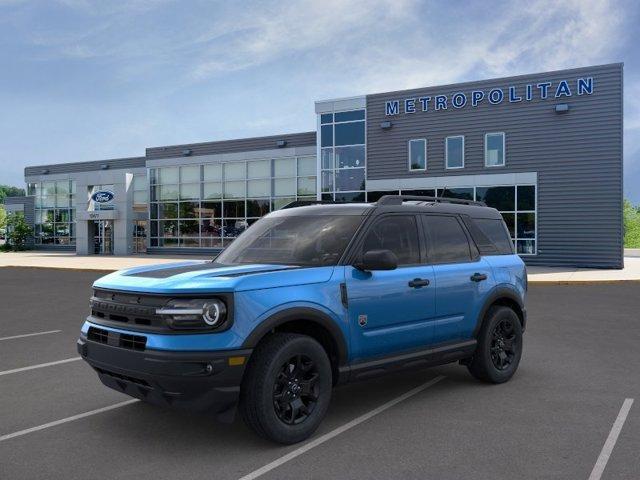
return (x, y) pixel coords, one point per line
(170, 272)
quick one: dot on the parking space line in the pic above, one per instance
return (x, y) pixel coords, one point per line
(40, 365)
(66, 420)
(334, 433)
(29, 335)
(601, 463)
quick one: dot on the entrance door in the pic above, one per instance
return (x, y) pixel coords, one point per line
(103, 237)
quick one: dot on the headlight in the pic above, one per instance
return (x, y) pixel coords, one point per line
(194, 314)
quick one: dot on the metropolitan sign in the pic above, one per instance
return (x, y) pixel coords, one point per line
(494, 96)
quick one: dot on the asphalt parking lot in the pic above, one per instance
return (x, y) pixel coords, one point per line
(581, 361)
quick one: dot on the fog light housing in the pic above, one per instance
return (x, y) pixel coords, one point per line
(196, 314)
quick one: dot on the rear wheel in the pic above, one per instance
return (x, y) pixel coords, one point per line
(287, 388)
(499, 346)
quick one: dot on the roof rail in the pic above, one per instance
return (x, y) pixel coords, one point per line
(398, 199)
(307, 203)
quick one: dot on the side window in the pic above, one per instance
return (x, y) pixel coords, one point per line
(397, 233)
(447, 241)
(497, 233)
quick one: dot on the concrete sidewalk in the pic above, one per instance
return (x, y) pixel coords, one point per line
(71, 261)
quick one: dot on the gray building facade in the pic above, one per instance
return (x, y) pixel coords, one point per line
(544, 149)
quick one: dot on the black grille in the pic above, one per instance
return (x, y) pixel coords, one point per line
(133, 342)
(138, 381)
(115, 339)
(138, 311)
(98, 335)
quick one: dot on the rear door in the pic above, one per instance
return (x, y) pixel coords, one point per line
(463, 278)
(391, 311)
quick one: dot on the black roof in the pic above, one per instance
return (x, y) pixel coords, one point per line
(393, 203)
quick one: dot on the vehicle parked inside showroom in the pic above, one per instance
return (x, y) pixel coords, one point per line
(309, 297)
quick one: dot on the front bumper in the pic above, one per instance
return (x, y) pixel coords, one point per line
(196, 381)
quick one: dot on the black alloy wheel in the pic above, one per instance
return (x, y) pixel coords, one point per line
(499, 347)
(295, 391)
(503, 344)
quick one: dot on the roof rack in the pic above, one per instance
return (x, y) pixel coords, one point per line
(398, 199)
(307, 203)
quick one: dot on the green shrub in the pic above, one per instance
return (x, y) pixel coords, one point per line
(631, 225)
(18, 231)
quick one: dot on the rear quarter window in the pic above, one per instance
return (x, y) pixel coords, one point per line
(491, 236)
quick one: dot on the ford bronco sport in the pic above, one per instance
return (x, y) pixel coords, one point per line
(310, 297)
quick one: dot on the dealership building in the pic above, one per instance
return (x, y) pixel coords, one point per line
(544, 149)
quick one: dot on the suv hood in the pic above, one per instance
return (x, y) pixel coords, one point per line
(204, 276)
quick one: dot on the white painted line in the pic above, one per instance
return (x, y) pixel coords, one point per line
(334, 433)
(40, 365)
(601, 463)
(30, 335)
(66, 420)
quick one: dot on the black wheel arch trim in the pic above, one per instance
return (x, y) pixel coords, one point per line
(300, 314)
(499, 293)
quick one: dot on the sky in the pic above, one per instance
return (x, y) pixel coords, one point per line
(88, 80)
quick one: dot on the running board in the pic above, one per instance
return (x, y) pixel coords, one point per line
(417, 359)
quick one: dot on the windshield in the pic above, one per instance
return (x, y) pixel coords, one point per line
(316, 240)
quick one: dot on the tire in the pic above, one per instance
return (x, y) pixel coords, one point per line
(499, 346)
(286, 389)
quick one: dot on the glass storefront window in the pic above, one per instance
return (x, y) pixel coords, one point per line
(350, 157)
(259, 169)
(208, 207)
(235, 171)
(350, 179)
(168, 175)
(259, 188)
(234, 189)
(307, 166)
(189, 191)
(168, 192)
(189, 174)
(212, 190)
(54, 212)
(284, 167)
(349, 133)
(284, 186)
(213, 172)
(306, 185)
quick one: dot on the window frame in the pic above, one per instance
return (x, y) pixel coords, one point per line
(504, 149)
(446, 152)
(354, 250)
(426, 160)
(474, 253)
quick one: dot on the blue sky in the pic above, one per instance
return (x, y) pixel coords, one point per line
(87, 80)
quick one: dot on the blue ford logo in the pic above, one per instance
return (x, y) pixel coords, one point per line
(104, 196)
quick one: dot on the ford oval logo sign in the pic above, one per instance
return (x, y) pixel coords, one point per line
(103, 196)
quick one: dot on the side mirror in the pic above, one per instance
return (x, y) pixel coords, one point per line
(378, 260)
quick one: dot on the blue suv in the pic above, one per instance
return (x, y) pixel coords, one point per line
(309, 297)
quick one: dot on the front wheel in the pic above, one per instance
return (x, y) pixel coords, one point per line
(287, 388)
(499, 346)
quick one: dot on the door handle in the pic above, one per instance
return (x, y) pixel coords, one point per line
(418, 282)
(478, 277)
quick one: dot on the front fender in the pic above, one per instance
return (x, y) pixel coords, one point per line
(300, 311)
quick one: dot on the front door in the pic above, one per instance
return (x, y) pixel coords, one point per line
(393, 310)
(103, 237)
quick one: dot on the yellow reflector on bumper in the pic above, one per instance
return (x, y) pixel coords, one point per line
(236, 361)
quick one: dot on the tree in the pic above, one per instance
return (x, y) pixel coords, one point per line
(9, 191)
(3, 217)
(631, 216)
(18, 230)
